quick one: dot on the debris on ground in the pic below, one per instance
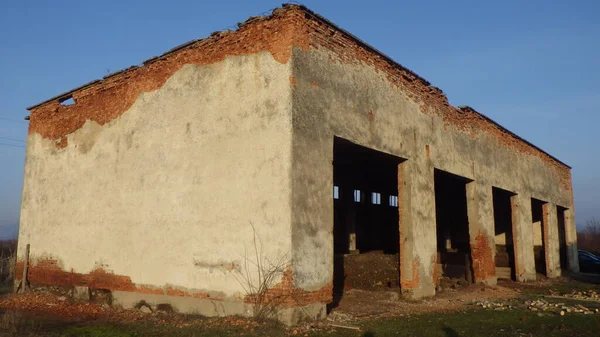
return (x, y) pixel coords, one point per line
(340, 317)
(539, 305)
(582, 295)
(493, 305)
(451, 284)
(59, 307)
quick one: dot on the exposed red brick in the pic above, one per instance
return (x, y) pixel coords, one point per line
(289, 295)
(416, 277)
(431, 99)
(48, 272)
(291, 26)
(484, 266)
(107, 100)
(371, 115)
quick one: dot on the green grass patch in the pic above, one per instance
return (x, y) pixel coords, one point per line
(6, 288)
(487, 323)
(474, 323)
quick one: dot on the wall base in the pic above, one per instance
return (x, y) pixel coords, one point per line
(214, 308)
(418, 293)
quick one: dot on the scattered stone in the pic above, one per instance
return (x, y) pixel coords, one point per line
(540, 306)
(81, 293)
(493, 305)
(145, 309)
(340, 317)
(580, 295)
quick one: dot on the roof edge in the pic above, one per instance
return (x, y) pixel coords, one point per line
(466, 108)
(68, 94)
(421, 79)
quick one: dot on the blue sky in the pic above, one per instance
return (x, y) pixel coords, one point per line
(533, 66)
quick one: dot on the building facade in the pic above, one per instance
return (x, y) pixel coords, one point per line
(291, 147)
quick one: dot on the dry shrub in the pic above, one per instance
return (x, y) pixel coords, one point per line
(589, 238)
(8, 255)
(258, 275)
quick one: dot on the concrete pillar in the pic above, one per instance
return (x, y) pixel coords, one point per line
(551, 240)
(418, 242)
(480, 207)
(571, 239)
(523, 237)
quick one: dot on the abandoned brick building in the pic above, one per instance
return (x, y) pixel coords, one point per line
(288, 140)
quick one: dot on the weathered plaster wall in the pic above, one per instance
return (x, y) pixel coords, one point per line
(161, 198)
(196, 144)
(338, 91)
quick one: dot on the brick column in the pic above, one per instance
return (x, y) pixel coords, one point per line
(551, 240)
(523, 237)
(418, 242)
(480, 207)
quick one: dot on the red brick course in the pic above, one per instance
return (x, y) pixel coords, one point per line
(288, 295)
(484, 266)
(48, 272)
(108, 99)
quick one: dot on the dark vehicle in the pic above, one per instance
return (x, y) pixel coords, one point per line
(588, 262)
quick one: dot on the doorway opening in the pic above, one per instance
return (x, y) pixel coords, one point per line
(452, 227)
(562, 237)
(505, 250)
(366, 234)
(539, 249)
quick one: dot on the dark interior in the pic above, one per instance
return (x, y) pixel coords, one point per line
(365, 203)
(505, 253)
(562, 237)
(538, 248)
(366, 209)
(452, 225)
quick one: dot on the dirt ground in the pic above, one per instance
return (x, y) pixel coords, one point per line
(361, 304)
(356, 308)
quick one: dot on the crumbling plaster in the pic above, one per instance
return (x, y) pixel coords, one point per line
(170, 174)
(356, 101)
(167, 192)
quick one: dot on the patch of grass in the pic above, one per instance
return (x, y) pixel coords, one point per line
(486, 323)
(567, 287)
(6, 288)
(97, 331)
(560, 287)
(14, 323)
(474, 323)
